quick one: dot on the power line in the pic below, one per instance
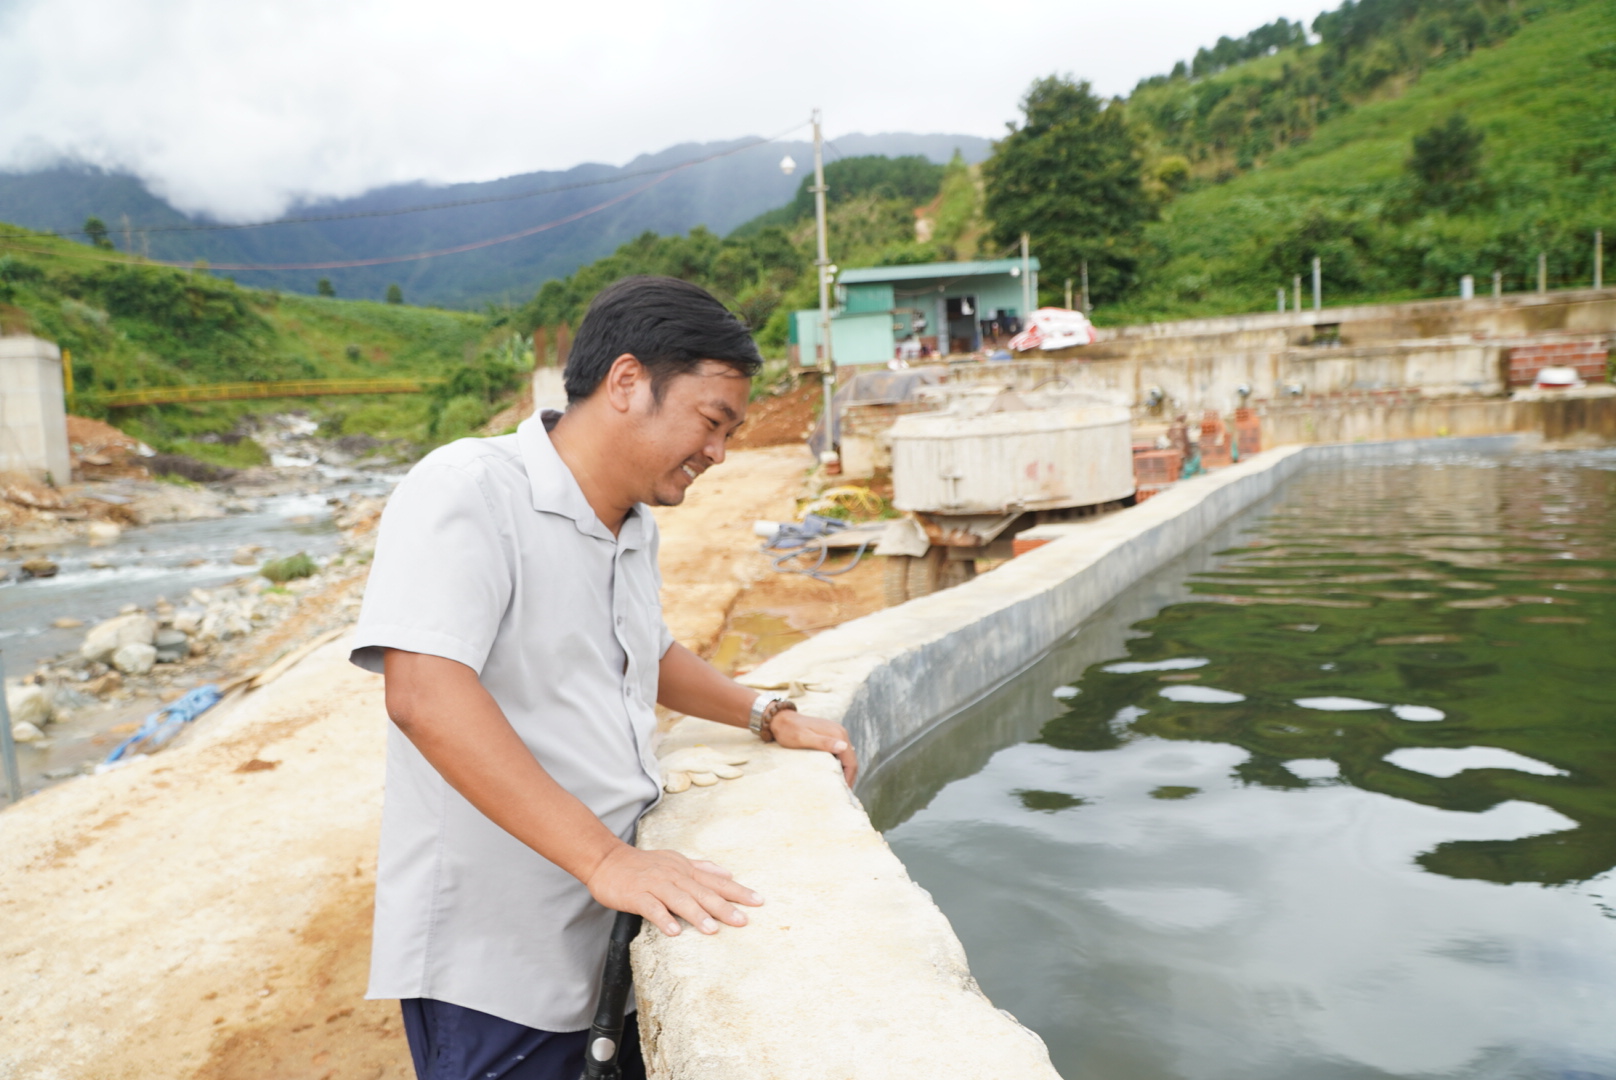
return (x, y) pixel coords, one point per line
(380, 260)
(147, 230)
(419, 255)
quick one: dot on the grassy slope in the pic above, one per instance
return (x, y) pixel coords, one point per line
(1547, 105)
(130, 325)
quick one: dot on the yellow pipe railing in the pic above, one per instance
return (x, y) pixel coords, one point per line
(240, 391)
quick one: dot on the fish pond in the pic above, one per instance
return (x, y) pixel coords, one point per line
(1332, 797)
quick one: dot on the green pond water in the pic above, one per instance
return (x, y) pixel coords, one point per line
(1332, 797)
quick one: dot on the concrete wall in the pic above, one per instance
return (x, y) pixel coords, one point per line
(849, 970)
(33, 414)
(1441, 348)
(1570, 310)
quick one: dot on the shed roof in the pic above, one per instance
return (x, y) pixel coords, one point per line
(980, 268)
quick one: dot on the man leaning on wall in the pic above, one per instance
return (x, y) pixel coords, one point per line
(514, 609)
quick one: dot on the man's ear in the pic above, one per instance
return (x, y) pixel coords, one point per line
(624, 379)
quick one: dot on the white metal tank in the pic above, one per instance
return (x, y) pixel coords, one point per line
(1030, 459)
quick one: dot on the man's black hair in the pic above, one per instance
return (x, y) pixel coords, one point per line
(669, 326)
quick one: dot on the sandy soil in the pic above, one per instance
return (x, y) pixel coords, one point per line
(780, 419)
(205, 913)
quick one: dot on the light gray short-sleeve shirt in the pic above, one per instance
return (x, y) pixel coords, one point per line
(489, 555)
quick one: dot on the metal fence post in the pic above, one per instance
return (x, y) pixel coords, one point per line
(8, 747)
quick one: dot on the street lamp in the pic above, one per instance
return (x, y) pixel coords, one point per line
(823, 267)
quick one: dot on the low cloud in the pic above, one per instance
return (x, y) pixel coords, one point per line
(239, 111)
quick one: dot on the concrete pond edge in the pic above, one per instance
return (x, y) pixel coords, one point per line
(849, 969)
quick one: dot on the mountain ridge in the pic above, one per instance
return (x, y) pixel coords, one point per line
(719, 194)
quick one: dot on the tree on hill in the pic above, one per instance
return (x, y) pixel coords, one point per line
(1263, 41)
(1446, 162)
(1071, 177)
(871, 178)
(395, 295)
(911, 178)
(323, 287)
(96, 230)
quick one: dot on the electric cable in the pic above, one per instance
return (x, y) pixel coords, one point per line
(420, 255)
(147, 230)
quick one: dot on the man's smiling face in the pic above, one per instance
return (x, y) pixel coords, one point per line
(684, 435)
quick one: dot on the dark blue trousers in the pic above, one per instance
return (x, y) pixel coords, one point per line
(452, 1042)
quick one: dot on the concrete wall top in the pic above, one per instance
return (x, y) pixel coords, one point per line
(14, 346)
(1567, 308)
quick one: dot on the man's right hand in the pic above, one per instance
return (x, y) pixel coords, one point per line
(659, 885)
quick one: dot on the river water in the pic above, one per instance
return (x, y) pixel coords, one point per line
(168, 560)
(1333, 797)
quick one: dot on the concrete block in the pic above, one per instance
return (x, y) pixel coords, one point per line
(33, 411)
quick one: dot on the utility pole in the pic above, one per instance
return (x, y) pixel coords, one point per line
(1026, 282)
(822, 266)
(1087, 307)
(8, 748)
(1318, 286)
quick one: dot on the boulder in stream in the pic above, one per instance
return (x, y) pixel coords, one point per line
(30, 705)
(39, 567)
(135, 658)
(172, 646)
(107, 638)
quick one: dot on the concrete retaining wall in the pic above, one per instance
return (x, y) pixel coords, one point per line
(849, 970)
(33, 414)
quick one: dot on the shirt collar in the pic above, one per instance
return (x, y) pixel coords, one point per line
(555, 490)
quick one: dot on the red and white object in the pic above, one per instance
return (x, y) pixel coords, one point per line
(1558, 378)
(1054, 328)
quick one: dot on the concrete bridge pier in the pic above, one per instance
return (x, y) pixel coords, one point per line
(33, 412)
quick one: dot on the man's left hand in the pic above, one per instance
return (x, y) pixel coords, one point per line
(793, 729)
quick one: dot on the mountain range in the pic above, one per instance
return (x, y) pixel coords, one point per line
(732, 183)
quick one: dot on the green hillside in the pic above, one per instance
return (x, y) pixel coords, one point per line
(129, 325)
(1404, 142)
(764, 269)
(1316, 160)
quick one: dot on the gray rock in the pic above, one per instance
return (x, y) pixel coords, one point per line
(107, 638)
(30, 705)
(26, 732)
(172, 646)
(227, 621)
(188, 620)
(134, 658)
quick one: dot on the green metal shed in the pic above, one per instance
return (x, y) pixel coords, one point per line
(882, 307)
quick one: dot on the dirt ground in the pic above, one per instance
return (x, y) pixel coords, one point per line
(205, 913)
(780, 419)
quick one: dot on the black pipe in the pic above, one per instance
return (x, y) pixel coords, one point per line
(606, 1033)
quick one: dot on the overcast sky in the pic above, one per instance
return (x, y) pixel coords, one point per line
(237, 109)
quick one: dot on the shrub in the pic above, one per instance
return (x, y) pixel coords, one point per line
(461, 416)
(289, 568)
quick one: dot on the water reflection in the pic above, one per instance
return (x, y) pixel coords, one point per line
(1375, 837)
